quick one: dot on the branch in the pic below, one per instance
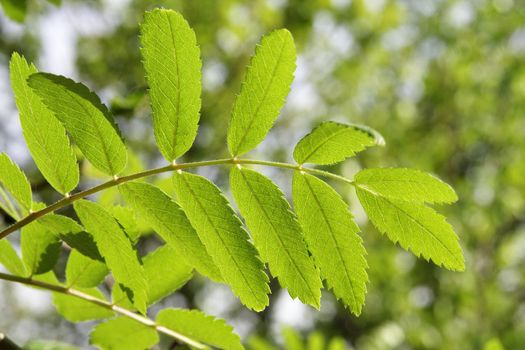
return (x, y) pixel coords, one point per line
(103, 303)
(67, 200)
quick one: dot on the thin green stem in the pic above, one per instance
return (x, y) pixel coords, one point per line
(105, 304)
(172, 167)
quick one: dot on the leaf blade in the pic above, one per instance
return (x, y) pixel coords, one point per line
(332, 142)
(201, 327)
(168, 219)
(333, 239)
(173, 69)
(45, 136)
(123, 333)
(269, 76)
(276, 234)
(116, 249)
(416, 227)
(84, 272)
(15, 181)
(85, 118)
(224, 238)
(405, 184)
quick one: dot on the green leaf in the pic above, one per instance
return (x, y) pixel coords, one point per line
(15, 182)
(82, 271)
(75, 309)
(333, 142)
(201, 327)
(85, 118)
(316, 341)
(165, 273)
(10, 259)
(173, 70)
(123, 333)
(276, 234)
(225, 239)
(127, 219)
(44, 134)
(333, 239)
(40, 247)
(416, 228)
(73, 234)
(337, 343)
(116, 249)
(169, 221)
(406, 184)
(263, 92)
(15, 9)
(292, 339)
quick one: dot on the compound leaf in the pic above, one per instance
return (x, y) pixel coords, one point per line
(123, 333)
(169, 221)
(15, 182)
(201, 327)
(333, 142)
(85, 272)
(85, 118)
(225, 239)
(45, 136)
(173, 70)
(416, 228)
(116, 249)
(406, 184)
(333, 239)
(263, 92)
(276, 234)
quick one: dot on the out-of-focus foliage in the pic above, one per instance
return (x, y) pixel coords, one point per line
(444, 81)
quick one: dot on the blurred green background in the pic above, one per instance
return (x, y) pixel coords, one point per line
(442, 80)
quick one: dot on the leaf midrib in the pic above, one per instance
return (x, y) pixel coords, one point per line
(333, 239)
(276, 234)
(415, 221)
(208, 218)
(266, 91)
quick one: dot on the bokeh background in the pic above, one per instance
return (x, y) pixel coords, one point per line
(442, 80)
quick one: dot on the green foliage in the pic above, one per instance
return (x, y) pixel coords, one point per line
(82, 271)
(85, 118)
(277, 234)
(332, 142)
(116, 249)
(123, 334)
(72, 234)
(78, 310)
(406, 184)
(165, 273)
(169, 221)
(225, 239)
(199, 326)
(45, 136)
(40, 247)
(10, 259)
(263, 92)
(333, 239)
(201, 229)
(173, 67)
(14, 181)
(15, 9)
(416, 227)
